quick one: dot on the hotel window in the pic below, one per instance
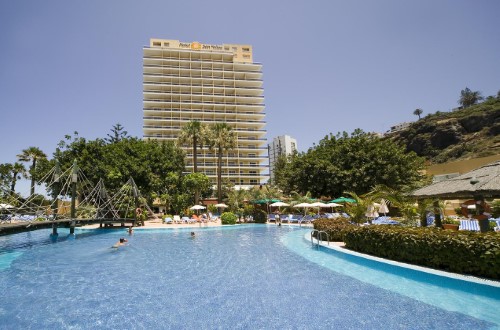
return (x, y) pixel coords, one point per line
(156, 43)
(246, 49)
(253, 181)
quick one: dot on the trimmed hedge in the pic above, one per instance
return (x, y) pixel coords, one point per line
(335, 228)
(228, 218)
(456, 251)
(259, 216)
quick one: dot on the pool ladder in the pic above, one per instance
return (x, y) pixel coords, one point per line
(318, 241)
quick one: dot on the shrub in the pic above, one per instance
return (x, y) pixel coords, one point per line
(228, 218)
(259, 216)
(456, 251)
(335, 228)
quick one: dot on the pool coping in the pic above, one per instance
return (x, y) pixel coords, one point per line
(469, 278)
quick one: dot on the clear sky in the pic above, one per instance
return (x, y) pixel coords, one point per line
(328, 66)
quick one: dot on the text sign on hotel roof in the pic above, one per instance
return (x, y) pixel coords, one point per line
(198, 46)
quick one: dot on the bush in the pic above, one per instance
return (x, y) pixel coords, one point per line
(335, 228)
(259, 216)
(456, 251)
(228, 218)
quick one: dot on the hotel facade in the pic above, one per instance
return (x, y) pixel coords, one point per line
(186, 81)
(282, 145)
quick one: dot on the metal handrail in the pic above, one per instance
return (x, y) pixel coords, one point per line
(318, 241)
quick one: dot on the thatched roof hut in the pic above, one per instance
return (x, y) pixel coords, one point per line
(484, 181)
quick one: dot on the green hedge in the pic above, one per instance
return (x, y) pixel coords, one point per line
(228, 218)
(456, 251)
(259, 216)
(335, 228)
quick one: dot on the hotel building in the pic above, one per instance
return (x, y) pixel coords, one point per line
(282, 145)
(185, 81)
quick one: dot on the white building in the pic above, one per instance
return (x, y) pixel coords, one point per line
(281, 145)
(185, 81)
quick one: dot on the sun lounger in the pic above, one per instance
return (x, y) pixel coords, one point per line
(177, 219)
(168, 220)
(472, 225)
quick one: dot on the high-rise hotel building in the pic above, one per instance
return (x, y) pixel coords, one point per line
(185, 81)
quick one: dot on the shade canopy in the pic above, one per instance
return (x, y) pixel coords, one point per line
(221, 205)
(265, 201)
(383, 207)
(320, 204)
(197, 207)
(6, 206)
(343, 200)
(484, 181)
(279, 204)
(302, 205)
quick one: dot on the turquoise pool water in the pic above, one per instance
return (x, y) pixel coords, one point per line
(242, 277)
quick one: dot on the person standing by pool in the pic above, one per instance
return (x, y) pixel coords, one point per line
(277, 218)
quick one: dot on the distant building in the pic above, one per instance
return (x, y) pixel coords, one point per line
(398, 127)
(186, 81)
(281, 145)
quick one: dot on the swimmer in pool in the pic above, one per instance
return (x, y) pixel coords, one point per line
(121, 242)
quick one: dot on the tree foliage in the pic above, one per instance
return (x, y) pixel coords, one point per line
(150, 163)
(118, 133)
(220, 138)
(353, 163)
(32, 154)
(418, 112)
(468, 97)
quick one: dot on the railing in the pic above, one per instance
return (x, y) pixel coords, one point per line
(202, 86)
(318, 238)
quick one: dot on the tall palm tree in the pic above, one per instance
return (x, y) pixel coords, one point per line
(193, 133)
(468, 97)
(221, 138)
(32, 154)
(18, 171)
(418, 112)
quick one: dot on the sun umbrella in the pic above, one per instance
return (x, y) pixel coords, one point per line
(343, 200)
(320, 204)
(334, 204)
(221, 205)
(371, 212)
(302, 205)
(6, 206)
(383, 207)
(279, 204)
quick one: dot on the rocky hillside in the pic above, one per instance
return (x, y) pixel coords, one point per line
(460, 134)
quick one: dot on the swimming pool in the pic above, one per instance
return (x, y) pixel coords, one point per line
(245, 277)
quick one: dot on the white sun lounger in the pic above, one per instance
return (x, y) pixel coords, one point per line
(472, 225)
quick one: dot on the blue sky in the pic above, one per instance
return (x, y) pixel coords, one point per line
(328, 66)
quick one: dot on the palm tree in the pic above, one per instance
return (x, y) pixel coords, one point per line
(221, 138)
(468, 97)
(418, 112)
(193, 133)
(18, 171)
(32, 154)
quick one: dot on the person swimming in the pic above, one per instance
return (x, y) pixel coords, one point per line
(121, 242)
(192, 234)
